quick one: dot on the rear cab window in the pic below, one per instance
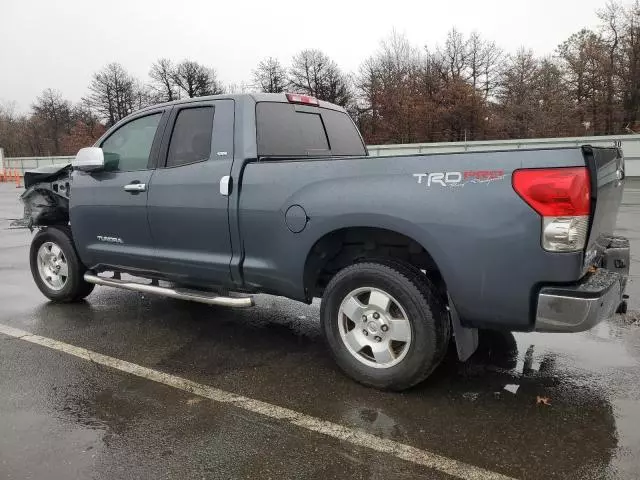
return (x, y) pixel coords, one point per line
(286, 130)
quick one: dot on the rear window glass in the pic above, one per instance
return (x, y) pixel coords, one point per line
(284, 131)
(343, 134)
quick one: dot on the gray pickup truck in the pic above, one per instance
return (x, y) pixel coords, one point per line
(275, 193)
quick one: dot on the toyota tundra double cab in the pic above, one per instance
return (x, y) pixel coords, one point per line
(276, 194)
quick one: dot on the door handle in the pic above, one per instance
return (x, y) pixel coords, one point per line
(135, 187)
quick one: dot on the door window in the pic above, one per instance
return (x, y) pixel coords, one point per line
(129, 147)
(191, 138)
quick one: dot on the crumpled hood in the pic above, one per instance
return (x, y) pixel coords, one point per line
(46, 173)
(46, 198)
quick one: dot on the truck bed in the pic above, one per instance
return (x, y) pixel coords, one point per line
(461, 208)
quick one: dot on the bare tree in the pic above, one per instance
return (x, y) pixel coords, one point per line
(113, 93)
(517, 94)
(612, 19)
(493, 60)
(390, 89)
(368, 88)
(270, 76)
(406, 95)
(85, 129)
(196, 80)
(314, 73)
(455, 54)
(83, 113)
(483, 59)
(54, 115)
(629, 68)
(475, 59)
(162, 76)
(10, 134)
(143, 95)
(553, 110)
(585, 64)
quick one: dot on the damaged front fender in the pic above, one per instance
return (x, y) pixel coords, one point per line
(46, 198)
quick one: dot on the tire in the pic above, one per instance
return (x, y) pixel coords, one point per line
(412, 297)
(57, 254)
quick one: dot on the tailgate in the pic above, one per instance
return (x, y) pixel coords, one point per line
(606, 168)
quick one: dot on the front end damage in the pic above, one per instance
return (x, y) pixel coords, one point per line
(46, 198)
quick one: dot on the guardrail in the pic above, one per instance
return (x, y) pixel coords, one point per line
(630, 145)
(27, 163)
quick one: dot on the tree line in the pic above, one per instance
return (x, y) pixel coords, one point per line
(467, 88)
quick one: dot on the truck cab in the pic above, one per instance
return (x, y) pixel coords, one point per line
(165, 204)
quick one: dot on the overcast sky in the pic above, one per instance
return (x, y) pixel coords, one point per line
(60, 43)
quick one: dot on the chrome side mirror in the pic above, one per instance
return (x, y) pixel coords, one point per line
(89, 159)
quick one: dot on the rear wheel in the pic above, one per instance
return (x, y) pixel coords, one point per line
(385, 324)
(55, 266)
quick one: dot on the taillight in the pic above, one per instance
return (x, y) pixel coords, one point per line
(302, 99)
(562, 196)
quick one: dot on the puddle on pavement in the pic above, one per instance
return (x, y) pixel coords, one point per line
(567, 406)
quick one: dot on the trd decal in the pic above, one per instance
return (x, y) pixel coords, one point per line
(459, 179)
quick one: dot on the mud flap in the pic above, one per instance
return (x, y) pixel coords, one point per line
(466, 338)
(622, 308)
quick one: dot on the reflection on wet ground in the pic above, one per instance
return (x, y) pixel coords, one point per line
(61, 417)
(463, 411)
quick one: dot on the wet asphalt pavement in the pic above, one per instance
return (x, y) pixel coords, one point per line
(64, 418)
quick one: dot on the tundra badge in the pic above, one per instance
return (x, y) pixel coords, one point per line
(110, 239)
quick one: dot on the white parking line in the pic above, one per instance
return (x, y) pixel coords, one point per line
(351, 435)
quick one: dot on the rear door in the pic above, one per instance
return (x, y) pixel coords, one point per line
(188, 213)
(109, 208)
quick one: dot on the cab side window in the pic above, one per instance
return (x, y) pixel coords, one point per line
(191, 138)
(129, 147)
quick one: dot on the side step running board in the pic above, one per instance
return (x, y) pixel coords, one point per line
(182, 294)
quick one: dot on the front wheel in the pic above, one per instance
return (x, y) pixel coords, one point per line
(56, 268)
(385, 323)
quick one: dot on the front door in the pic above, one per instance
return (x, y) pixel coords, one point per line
(109, 208)
(187, 213)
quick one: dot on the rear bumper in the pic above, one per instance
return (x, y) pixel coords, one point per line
(596, 297)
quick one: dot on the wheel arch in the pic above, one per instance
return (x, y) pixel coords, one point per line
(346, 243)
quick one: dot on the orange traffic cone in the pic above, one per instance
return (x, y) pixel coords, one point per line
(18, 179)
